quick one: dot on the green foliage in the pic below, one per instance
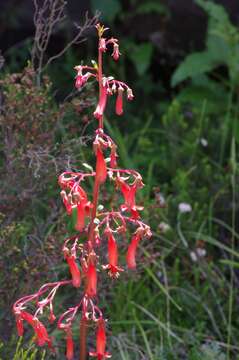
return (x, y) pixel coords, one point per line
(221, 47)
(109, 8)
(31, 353)
(152, 7)
(141, 56)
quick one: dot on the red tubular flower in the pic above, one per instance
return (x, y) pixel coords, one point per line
(131, 253)
(101, 170)
(113, 267)
(74, 270)
(69, 345)
(39, 329)
(102, 103)
(91, 276)
(129, 192)
(66, 202)
(19, 323)
(100, 352)
(83, 207)
(119, 102)
(80, 221)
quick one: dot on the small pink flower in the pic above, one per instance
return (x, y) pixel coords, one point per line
(130, 95)
(101, 170)
(116, 53)
(119, 101)
(69, 345)
(102, 45)
(91, 276)
(131, 253)
(99, 111)
(81, 79)
(100, 352)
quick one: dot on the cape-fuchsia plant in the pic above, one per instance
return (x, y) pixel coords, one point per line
(92, 221)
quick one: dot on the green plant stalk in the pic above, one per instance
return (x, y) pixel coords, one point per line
(231, 294)
(227, 124)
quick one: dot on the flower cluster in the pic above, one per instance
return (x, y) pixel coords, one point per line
(99, 226)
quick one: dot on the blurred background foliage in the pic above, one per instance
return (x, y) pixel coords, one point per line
(181, 132)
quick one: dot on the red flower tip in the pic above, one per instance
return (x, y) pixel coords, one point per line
(119, 101)
(19, 323)
(101, 170)
(91, 276)
(69, 345)
(99, 111)
(74, 270)
(100, 352)
(131, 253)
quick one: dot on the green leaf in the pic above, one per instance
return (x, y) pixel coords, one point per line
(214, 11)
(109, 8)
(141, 57)
(231, 263)
(193, 65)
(152, 6)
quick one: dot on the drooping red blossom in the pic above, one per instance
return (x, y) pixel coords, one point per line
(91, 281)
(101, 104)
(129, 192)
(69, 345)
(81, 80)
(119, 101)
(131, 252)
(101, 169)
(42, 337)
(74, 270)
(100, 352)
(112, 266)
(80, 219)
(19, 323)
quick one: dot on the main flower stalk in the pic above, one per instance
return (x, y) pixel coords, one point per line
(101, 226)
